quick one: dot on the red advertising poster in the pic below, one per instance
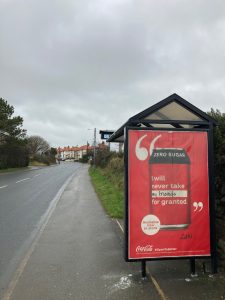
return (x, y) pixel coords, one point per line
(168, 194)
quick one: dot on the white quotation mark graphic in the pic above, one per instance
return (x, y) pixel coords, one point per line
(141, 152)
(198, 206)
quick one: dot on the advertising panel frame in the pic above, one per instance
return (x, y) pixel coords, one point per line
(212, 254)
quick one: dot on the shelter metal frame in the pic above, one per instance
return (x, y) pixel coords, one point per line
(202, 122)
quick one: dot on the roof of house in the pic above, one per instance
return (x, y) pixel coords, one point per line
(84, 147)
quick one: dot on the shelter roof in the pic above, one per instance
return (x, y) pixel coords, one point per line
(171, 112)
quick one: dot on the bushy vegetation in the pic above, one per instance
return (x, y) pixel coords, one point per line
(46, 158)
(13, 156)
(13, 142)
(16, 149)
(219, 152)
(37, 145)
(111, 165)
(103, 157)
(114, 170)
(84, 159)
(107, 177)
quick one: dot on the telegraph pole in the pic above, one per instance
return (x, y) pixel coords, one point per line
(94, 146)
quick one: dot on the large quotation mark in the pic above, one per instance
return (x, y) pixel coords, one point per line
(141, 152)
(198, 206)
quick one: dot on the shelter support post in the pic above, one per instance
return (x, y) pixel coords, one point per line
(143, 268)
(212, 203)
(192, 265)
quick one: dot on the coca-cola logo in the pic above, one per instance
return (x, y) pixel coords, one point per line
(144, 249)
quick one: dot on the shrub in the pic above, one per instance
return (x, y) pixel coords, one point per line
(102, 157)
(112, 166)
(116, 165)
(44, 158)
(84, 159)
(115, 171)
(13, 156)
(219, 152)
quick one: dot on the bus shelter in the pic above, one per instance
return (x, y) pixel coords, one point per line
(169, 183)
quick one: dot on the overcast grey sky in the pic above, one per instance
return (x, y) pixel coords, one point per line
(70, 65)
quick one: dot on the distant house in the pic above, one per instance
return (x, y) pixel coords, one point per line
(83, 150)
(67, 152)
(77, 153)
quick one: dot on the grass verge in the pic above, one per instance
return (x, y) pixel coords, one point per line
(35, 163)
(112, 197)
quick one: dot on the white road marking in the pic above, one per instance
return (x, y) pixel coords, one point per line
(4, 186)
(40, 229)
(22, 180)
(37, 175)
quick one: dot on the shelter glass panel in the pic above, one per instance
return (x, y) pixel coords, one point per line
(174, 111)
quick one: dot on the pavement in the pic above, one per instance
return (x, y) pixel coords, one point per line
(78, 255)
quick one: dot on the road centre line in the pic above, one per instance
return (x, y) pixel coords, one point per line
(4, 186)
(22, 180)
(154, 281)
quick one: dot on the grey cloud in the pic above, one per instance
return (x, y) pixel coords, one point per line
(71, 65)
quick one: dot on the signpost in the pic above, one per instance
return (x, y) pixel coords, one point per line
(105, 134)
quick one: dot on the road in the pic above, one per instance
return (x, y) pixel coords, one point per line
(25, 200)
(79, 254)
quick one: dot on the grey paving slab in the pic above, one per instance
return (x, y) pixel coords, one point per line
(176, 282)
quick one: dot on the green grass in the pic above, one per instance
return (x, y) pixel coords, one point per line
(112, 197)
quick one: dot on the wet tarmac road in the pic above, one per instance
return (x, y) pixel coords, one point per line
(25, 197)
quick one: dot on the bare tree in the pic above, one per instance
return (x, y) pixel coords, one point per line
(37, 145)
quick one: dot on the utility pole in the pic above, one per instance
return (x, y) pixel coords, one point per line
(94, 147)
